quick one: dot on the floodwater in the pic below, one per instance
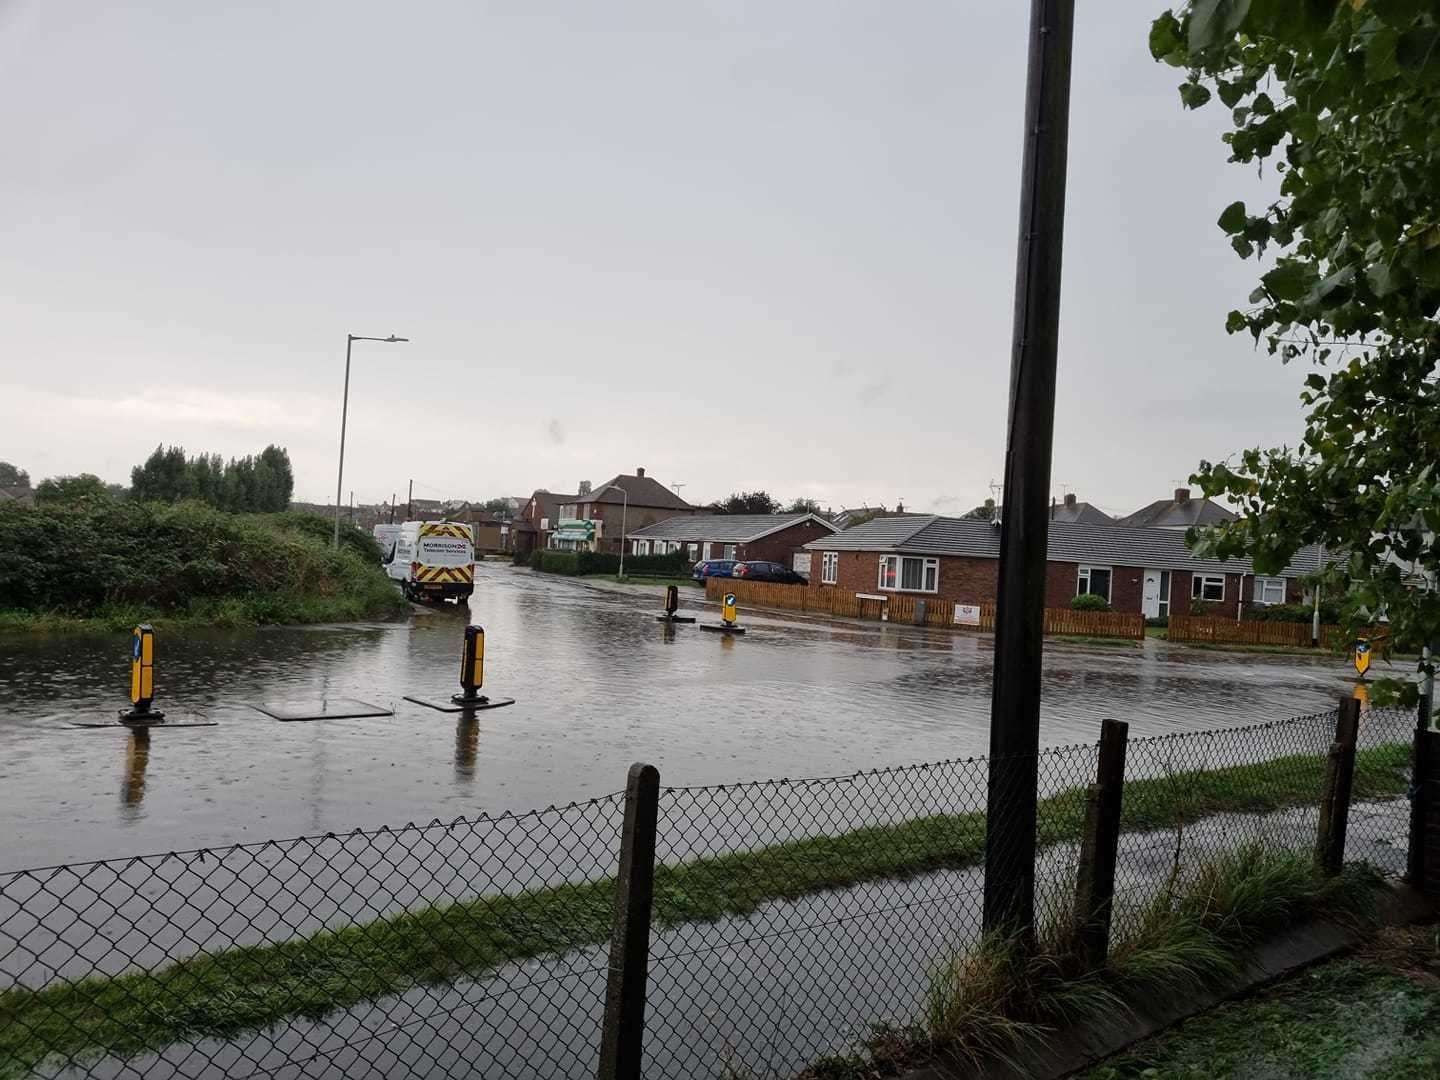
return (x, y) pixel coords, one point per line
(598, 684)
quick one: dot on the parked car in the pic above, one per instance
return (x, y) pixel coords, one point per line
(708, 568)
(768, 571)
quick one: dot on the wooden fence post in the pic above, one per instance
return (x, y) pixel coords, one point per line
(623, 1035)
(1335, 795)
(1099, 843)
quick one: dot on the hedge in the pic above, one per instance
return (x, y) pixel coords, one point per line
(603, 562)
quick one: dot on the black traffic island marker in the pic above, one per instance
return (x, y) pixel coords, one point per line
(123, 725)
(142, 714)
(472, 678)
(672, 605)
(729, 618)
(325, 709)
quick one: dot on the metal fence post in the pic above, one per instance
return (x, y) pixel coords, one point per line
(1099, 844)
(1423, 859)
(1335, 795)
(623, 1035)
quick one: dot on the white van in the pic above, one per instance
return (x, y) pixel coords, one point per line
(433, 560)
(385, 536)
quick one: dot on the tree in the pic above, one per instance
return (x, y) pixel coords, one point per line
(748, 502)
(12, 476)
(984, 512)
(499, 507)
(71, 490)
(165, 476)
(1342, 98)
(803, 506)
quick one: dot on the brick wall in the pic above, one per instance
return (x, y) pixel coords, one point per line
(780, 546)
(962, 580)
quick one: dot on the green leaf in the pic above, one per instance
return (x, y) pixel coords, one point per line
(1165, 36)
(1235, 322)
(1315, 381)
(1193, 95)
(1382, 279)
(1232, 218)
(1213, 21)
(1288, 281)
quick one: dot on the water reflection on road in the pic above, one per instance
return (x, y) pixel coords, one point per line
(599, 684)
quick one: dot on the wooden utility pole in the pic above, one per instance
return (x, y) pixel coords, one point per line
(1020, 601)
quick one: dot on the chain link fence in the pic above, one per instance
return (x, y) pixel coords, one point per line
(789, 917)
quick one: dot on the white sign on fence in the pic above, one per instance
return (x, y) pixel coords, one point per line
(967, 614)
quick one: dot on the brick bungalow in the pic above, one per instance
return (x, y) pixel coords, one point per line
(957, 560)
(769, 537)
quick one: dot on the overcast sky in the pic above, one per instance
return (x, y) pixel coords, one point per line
(746, 245)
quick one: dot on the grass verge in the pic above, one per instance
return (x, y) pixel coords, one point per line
(225, 993)
(994, 999)
(1305, 1028)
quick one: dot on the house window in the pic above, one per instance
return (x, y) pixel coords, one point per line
(906, 573)
(693, 550)
(1207, 586)
(1094, 580)
(642, 547)
(729, 551)
(829, 567)
(1269, 590)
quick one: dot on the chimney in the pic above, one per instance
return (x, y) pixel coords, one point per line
(584, 488)
(640, 472)
(1182, 496)
(1069, 498)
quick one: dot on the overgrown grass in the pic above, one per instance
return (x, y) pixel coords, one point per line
(107, 566)
(244, 989)
(1001, 995)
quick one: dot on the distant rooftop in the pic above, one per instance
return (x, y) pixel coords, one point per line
(1180, 512)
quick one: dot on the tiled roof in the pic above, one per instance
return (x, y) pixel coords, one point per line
(642, 491)
(723, 528)
(1177, 514)
(1105, 545)
(1089, 513)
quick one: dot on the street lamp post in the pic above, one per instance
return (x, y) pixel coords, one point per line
(350, 339)
(624, 513)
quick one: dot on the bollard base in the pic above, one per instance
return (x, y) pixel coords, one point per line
(458, 703)
(675, 618)
(137, 718)
(721, 628)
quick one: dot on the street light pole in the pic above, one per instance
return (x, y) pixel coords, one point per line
(350, 340)
(624, 515)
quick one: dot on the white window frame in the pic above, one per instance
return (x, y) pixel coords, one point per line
(1264, 585)
(693, 551)
(640, 547)
(1082, 580)
(1197, 587)
(729, 554)
(929, 571)
(829, 567)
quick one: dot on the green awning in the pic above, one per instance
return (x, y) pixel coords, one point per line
(573, 534)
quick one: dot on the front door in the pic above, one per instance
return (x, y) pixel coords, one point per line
(1155, 601)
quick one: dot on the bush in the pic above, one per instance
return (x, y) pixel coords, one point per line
(605, 562)
(1293, 613)
(1089, 602)
(187, 560)
(520, 558)
(560, 562)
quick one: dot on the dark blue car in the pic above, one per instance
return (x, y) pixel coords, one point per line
(709, 568)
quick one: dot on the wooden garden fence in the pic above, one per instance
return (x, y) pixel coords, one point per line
(913, 610)
(1251, 632)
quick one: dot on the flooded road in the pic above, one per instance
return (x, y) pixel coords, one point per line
(598, 684)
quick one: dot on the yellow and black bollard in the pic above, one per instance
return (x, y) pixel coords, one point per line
(472, 678)
(672, 607)
(472, 668)
(142, 679)
(729, 618)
